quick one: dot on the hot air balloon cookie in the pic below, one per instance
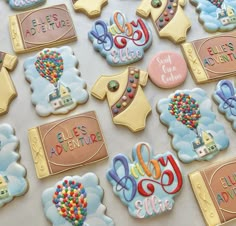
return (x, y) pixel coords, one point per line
(76, 201)
(196, 133)
(56, 85)
(216, 15)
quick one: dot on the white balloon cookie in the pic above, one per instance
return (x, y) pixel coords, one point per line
(57, 87)
(12, 174)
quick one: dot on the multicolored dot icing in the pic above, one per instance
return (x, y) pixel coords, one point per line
(196, 133)
(70, 201)
(76, 201)
(185, 109)
(167, 14)
(129, 93)
(49, 65)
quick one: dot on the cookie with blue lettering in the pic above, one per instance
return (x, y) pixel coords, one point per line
(76, 200)
(55, 81)
(25, 4)
(121, 42)
(196, 133)
(225, 97)
(217, 15)
(12, 174)
(148, 183)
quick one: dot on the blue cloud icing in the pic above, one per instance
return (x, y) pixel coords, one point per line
(183, 137)
(130, 184)
(9, 168)
(208, 15)
(224, 96)
(24, 4)
(95, 208)
(42, 87)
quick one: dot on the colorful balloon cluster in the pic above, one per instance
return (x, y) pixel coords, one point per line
(49, 65)
(70, 201)
(185, 109)
(217, 3)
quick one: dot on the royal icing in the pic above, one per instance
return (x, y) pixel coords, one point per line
(225, 97)
(24, 4)
(125, 96)
(166, 16)
(91, 9)
(54, 79)
(148, 184)
(167, 69)
(217, 15)
(7, 89)
(12, 174)
(196, 133)
(76, 201)
(121, 42)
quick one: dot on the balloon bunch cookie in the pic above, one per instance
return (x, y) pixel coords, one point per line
(196, 133)
(57, 87)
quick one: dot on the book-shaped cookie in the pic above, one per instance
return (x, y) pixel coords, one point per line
(196, 133)
(214, 189)
(67, 143)
(211, 58)
(40, 28)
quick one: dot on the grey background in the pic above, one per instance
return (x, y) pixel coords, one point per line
(27, 210)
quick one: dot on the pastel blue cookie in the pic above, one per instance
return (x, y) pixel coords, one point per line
(225, 97)
(76, 201)
(196, 133)
(12, 174)
(24, 4)
(217, 15)
(55, 82)
(147, 184)
(121, 42)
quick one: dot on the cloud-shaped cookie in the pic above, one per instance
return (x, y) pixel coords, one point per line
(216, 15)
(55, 83)
(24, 4)
(12, 174)
(148, 184)
(196, 133)
(121, 42)
(76, 201)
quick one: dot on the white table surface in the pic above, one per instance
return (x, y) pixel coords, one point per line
(27, 210)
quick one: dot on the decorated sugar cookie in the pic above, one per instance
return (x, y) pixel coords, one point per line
(217, 15)
(168, 18)
(125, 97)
(25, 4)
(12, 174)
(147, 184)
(76, 201)
(55, 82)
(7, 89)
(196, 133)
(167, 69)
(121, 42)
(225, 97)
(90, 8)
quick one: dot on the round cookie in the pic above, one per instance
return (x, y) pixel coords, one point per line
(167, 69)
